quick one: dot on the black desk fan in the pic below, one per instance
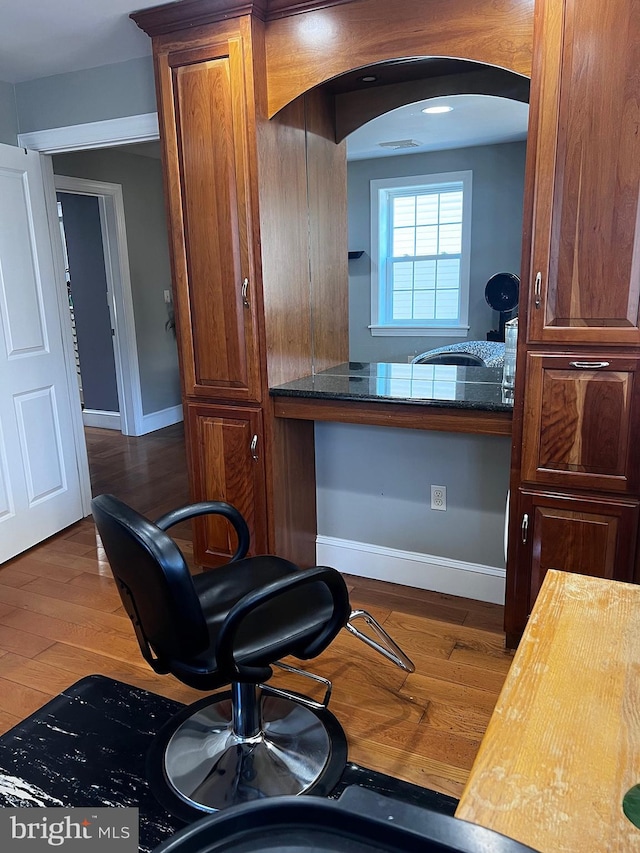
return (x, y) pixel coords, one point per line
(501, 292)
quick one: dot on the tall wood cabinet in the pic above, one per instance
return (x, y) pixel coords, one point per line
(243, 308)
(203, 90)
(575, 468)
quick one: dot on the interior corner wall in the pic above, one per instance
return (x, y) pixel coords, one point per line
(496, 237)
(141, 180)
(78, 97)
(8, 114)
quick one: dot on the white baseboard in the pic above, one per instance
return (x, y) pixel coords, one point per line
(424, 571)
(98, 418)
(162, 418)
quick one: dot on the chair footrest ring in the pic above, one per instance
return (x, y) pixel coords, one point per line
(197, 764)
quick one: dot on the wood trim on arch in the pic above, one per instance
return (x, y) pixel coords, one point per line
(158, 20)
(309, 42)
(304, 51)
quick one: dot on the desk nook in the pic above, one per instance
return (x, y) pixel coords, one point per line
(416, 396)
(255, 178)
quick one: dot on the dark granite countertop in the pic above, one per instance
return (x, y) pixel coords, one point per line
(440, 385)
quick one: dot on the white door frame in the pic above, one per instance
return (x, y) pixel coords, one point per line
(58, 140)
(95, 134)
(116, 258)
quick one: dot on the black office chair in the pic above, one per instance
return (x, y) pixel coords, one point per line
(460, 358)
(230, 626)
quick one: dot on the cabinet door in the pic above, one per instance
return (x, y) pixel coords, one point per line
(589, 536)
(578, 417)
(585, 273)
(203, 106)
(225, 448)
(593, 537)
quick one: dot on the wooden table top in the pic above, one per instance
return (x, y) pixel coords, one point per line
(563, 745)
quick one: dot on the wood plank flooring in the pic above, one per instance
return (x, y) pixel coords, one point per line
(61, 619)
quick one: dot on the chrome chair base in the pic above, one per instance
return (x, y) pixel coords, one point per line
(207, 766)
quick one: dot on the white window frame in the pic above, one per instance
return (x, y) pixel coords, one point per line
(380, 190)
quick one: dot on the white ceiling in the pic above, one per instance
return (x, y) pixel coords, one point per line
(40, 38)
(474, 120)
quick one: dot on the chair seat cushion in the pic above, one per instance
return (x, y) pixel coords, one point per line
(280, 627)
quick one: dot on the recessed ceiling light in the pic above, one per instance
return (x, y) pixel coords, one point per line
(369, 78)
(443, 108)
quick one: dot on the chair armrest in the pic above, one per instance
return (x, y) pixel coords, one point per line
(337, 588)
(233, 515)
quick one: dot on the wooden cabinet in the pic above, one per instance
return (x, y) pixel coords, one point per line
(251, 228)
(583, 268)
(575, 467)
(256, 201)
(204, 111)
(574, 533)
(226, 447)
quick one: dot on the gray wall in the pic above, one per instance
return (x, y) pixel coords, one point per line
(496, 237)
(83, 236)
(374, 487)
(96, 94)
(141, 180)
(8, 115)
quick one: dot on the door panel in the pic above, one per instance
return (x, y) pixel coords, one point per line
(23, 318)
(590, 535)
(226, 450)
(41, 443)
(583, 535)
(586, 248)
(208, 182)
(40, 488)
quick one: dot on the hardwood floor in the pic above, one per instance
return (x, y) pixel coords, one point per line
(61, 619)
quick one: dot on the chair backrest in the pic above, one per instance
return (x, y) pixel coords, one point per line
(154, 583)
(460, 358)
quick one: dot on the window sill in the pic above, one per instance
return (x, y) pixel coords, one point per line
(420, 331)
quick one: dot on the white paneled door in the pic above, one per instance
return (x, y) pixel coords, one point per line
(40, 488)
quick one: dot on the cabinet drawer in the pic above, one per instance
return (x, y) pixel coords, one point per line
(578, 417)
(226, 456)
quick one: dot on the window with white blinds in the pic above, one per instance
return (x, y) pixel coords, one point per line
(420, 254)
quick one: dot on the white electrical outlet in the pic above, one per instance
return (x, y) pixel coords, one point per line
(167, 296)
(439, 497)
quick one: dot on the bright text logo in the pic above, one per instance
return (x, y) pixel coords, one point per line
(40, 829)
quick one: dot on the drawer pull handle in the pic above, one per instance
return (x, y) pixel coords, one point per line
(537, 289)
(589, 365)
(245, 285)
(525, 527)
(254, 448)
